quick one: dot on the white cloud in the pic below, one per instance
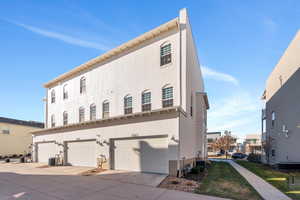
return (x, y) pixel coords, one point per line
(210, 73)
(62, 37)
(239, 113)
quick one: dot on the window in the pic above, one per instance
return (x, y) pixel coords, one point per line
(105, 113)
(81, 114)
(167, 97)
(93, 112)
(52, 121)
(273, 119)
(127, 104)
(146, 101)
(273, 152)
(65, 92)
(65, 118)
(165, 54)
(53, 96)
(82, 85)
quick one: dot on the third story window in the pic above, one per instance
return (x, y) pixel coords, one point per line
(82, 85)
(167, 97)
(65, 92)
(53, 96)
(273, 118)
(165, 54)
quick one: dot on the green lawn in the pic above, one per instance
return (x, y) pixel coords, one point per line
(275, 177)
(224, 181)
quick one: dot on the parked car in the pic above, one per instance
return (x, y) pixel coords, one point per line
(238, 156)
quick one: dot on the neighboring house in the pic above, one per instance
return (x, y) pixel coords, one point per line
(211, 138)
(15, 136)
(280, 118)
(139, 107)
(252, 144)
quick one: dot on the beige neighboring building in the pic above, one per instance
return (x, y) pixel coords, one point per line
(139, 107)
(15, 137)
(252, 144)
(280, 118)
(211, 138)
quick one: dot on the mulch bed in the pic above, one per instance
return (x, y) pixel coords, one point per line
(187, 184)
(92, 172)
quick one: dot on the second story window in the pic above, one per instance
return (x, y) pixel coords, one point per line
(273, 119)
(52, 121)
(165, 54)
(105, 112)
(127, 104)
(81, 114)
(65, 92)
(167, 96)
(93, 112)
(65, 118)
(146, 101)
(82, 85)
(53, 96)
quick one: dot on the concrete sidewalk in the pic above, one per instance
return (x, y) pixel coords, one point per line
(266, 190)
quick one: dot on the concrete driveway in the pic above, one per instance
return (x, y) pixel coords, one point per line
(28, 182)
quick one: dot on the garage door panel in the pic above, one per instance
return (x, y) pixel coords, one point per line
(82, 153)
(45, 151)
(146, 155)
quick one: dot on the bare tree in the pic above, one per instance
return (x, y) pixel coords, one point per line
(224, 142)
(267, 146)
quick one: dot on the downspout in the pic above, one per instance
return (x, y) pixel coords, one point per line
(46, 109)
(180, 95)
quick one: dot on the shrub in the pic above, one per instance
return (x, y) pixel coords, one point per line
(254, 158)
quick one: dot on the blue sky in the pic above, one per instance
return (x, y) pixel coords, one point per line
(239, 43)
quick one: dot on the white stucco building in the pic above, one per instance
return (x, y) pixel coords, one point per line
(138, 107)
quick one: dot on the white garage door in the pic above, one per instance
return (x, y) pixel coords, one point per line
(45, 151)
(82, 153)
(143, 155)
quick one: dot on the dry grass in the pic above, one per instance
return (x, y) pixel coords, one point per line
(224, 181)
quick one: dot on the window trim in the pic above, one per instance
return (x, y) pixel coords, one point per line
(93, 115)
(160, 54)
(146, 106)
(128, 109)
(82, 87)
(53, 96)
(105, 114)
(53, 124)
(81, 114)
(65, 118)
(273, 118)
(65, 92)
(171, 99)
